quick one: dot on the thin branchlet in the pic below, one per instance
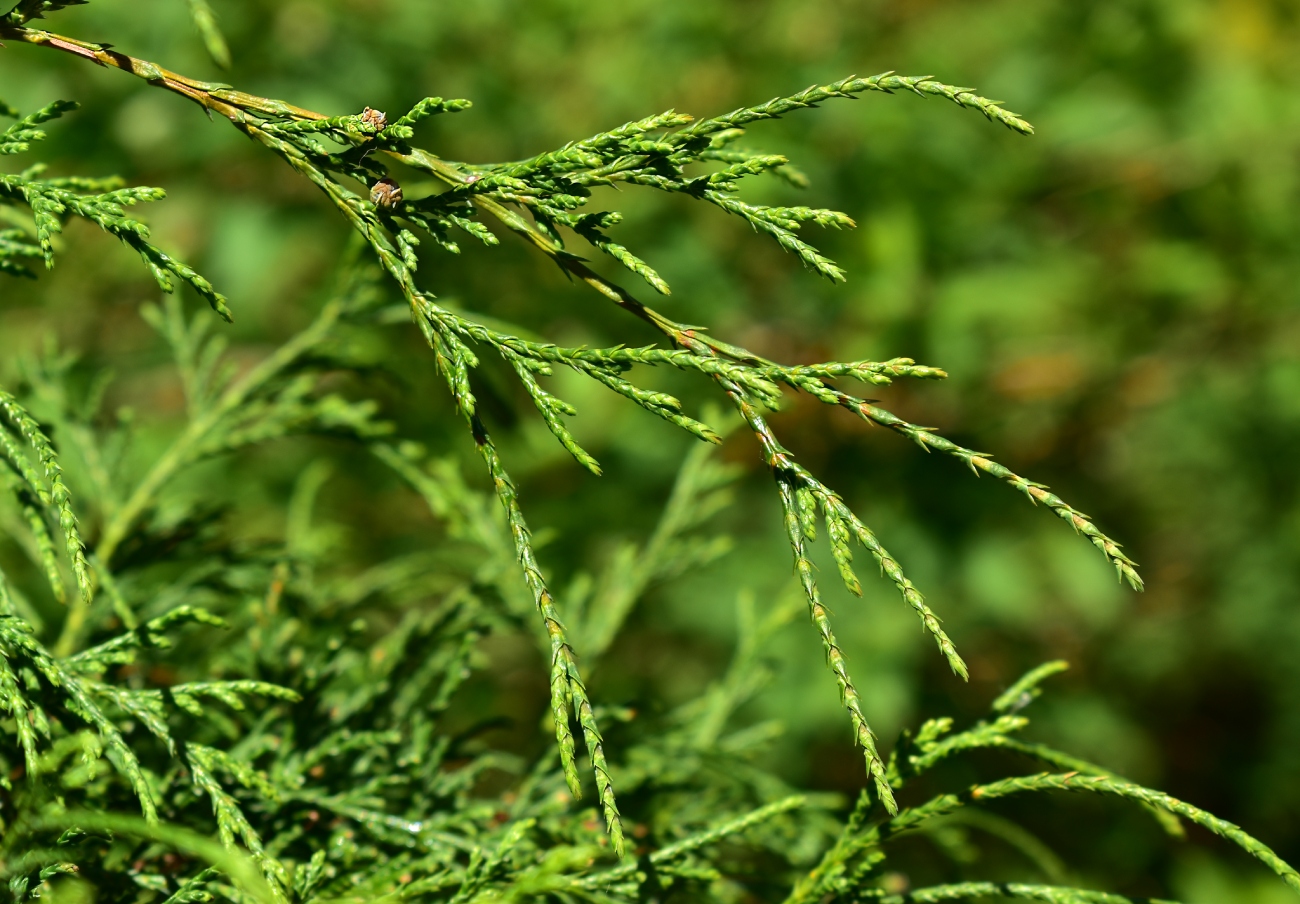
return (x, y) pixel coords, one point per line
(1094, 784)
(1020, 891)
(102, 202)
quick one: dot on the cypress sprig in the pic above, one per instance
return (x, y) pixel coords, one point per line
(233, 825)
(550, 408)
(15, 248)
(351, 126)
(964, 891)
(79, 699)
(718, 150)
(930, 745)
(26, 10)
(862, 847)
(430, 106)
(984, 734)
(567, 688)
(153, 634)
(42, 548)
(842, 523)
(1027, 689)
(18, 137)
(1125, 568)
(594, 152)
(625, 257)
(877, 373)
(100, 202)
(777, 223)
(1094, 784)
(886, 82)
(30, 724)
(812, 382)
(52, 492)
(849, 697)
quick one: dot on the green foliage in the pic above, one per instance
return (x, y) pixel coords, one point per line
(101, 201)
(26, 10)
(342, 778)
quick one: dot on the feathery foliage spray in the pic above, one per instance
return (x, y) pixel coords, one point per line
(317, 751)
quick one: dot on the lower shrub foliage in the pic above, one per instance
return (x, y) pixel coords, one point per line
(306, 715)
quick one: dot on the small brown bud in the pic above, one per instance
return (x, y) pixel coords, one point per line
(386, 193)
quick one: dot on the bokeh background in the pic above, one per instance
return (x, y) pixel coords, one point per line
(1117, 300)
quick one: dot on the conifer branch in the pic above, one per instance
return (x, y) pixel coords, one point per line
(963, 891)
(367, 746)
(567, 688)
(980, 462)
(886, 82)
(56, 495)
(100, 201)
(1095, 784)
(834, 656)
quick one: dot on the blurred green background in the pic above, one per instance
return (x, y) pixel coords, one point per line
(1117, 300)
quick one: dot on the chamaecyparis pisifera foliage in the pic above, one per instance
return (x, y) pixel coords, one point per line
(360, 767)
(324, 749)
(102, 201)
(359, 789)
(539, 199)
(359, 793)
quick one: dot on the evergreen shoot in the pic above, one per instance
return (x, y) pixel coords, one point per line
(314, 761)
